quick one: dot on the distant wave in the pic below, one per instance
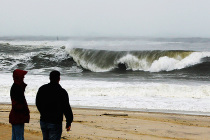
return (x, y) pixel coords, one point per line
(152, 61)
(35, 57)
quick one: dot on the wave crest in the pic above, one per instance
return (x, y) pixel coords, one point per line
(152, 61)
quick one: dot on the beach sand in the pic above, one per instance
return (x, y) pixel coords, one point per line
(99, 124)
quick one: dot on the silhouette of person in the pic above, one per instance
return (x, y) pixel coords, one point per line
(19, 113)
(52, 101)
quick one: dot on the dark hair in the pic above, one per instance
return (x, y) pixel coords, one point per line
(55, 76)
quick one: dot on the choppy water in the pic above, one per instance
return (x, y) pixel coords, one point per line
(139, 73)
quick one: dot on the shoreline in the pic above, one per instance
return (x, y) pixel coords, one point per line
(178, 112)
(103, 124)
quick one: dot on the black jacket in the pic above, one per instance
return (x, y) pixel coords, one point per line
(19, 113)
(52, 102)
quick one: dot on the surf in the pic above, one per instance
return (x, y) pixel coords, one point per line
(78, 60)
(152, 61)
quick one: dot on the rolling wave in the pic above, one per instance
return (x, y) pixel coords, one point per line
(78, 59)
(152, 61)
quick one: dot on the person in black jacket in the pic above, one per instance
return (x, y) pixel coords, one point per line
(52, 101)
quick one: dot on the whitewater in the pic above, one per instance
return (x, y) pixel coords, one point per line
(119, 73)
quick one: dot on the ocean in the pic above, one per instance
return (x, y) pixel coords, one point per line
(128, 73)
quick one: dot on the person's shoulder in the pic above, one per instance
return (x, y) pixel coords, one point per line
(44, 86)
(63, 90)
(15, 86)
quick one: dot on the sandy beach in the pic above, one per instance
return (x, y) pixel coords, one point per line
(99, 124)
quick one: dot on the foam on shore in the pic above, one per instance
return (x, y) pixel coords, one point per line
(120, 95)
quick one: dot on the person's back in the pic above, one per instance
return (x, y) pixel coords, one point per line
(19, 114)
(52, 102)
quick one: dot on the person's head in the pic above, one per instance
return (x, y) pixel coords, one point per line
(18, 75)
(55, 76)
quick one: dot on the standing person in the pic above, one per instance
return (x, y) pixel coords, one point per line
(52, 102)
(19, 113)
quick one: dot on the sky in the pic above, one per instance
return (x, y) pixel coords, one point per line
(149, 18)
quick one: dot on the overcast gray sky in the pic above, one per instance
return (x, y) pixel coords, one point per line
(156, 18)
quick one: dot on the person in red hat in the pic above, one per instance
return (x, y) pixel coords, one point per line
(19, 113)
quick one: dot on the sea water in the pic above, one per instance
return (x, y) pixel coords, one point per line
(171, 74)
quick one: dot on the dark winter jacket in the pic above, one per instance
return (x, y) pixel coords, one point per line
(52, 102)
(20, 112)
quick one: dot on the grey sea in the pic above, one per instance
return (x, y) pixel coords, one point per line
(132, 73)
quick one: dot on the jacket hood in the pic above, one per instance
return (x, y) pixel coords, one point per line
(18, 76)
(19, 73)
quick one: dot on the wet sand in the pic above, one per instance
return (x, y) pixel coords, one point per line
(101, 124)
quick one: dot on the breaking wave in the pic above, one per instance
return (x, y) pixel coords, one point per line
(152, 61)
(77, 60)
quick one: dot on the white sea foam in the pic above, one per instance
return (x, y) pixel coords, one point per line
(134, 95)
(167, 64)
(163, 63)
(133, 63)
